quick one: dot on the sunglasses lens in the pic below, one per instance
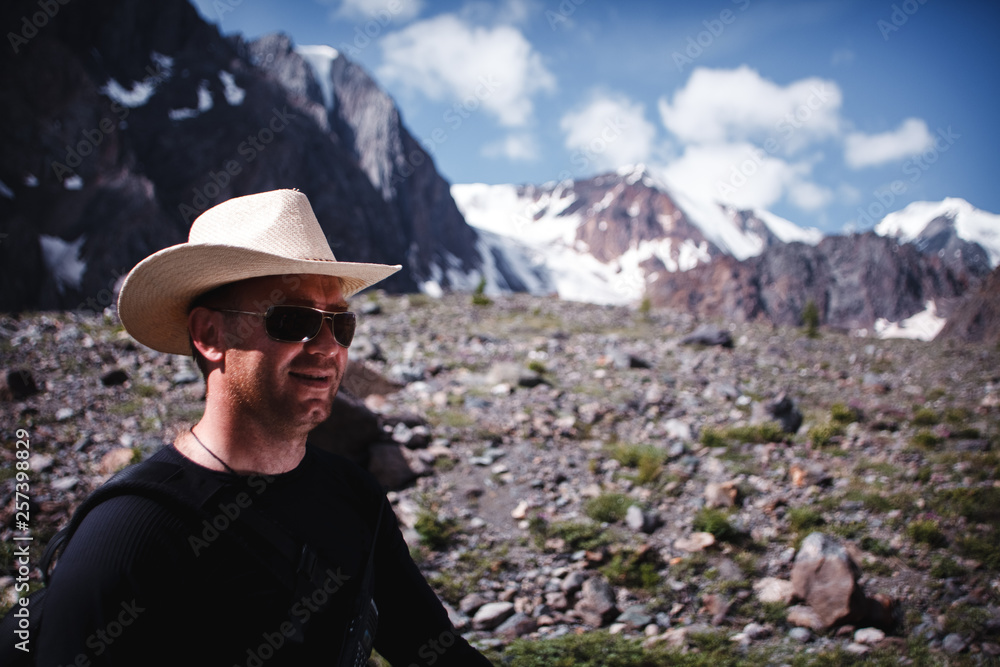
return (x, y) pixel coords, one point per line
(344, 325)
(295, 324)
(292, 324)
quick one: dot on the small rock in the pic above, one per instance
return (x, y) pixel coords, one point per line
(115, 460)
(805, 617)
(635, 617)
(869, 636)
(114, 377)
(573, 582)
(772, 589)
(756, 631)
(471, 602)
(695, 542)
(20, 385)
(65, 483)
(40, 462)
(518, 625)
(186, 376)
(521, 511)
(801, 635)
(721, 494)
(708, 335)
(826, 577)
(62, 414)
(953, 643)
(492, 614)
(597, 602)
(856, 648)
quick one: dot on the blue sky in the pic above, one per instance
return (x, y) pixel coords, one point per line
(830, 114)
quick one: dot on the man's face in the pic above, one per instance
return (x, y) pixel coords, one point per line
(283, 385)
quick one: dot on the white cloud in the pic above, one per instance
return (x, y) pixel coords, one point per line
(523, 147)
(445, 57)
(809, 196)
(717, 106)
(866, 150)
(607, 132)
(398, 10)
(740, 174)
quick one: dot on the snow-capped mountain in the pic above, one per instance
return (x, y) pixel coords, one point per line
(947, 228)
(605, 238)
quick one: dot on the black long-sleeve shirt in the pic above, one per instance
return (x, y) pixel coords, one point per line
(139, 584)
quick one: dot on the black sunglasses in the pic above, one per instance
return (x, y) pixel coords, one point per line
(298, 324)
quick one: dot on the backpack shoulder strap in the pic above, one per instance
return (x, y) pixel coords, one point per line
(149, 479)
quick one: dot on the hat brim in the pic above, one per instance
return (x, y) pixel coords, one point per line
(156, 295)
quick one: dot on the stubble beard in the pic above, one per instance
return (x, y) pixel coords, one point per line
(283, 414)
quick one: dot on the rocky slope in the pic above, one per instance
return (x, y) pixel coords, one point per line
(853, 281)
(575, 467)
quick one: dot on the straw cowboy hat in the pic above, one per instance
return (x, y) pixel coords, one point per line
(271, 233)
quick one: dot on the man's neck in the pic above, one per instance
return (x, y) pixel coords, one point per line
(220, 444)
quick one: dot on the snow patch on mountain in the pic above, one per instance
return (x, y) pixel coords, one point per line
(970, 223)
(924, 326)
(320, 57)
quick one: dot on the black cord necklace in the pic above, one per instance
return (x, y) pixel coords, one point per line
(213, 454)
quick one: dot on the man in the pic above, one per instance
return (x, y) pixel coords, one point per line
(259, 298)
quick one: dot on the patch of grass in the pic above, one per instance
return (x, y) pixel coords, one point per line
(957, 416)
(843, 415)
(925, 417)
(926, 531)
(752, 433)
(946, 567)
(648, 459)
(608, 507)
(979, 505)
(982, 546)
(876, 547)
(967, 619)
(823, 435)
(716, 522)
(634, 569)
(925, 440)
(804, 519)
(435, 532)
(577, 534)
(537, 366)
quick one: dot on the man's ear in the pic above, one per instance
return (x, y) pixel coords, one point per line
(207, 334)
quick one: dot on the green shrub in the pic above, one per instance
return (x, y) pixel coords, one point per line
(810, 318)
(802, 519)
(925, 417)
(590, 649)
(537, 366)
(648, 459)
(925, 440)
(608, 507)
(842, 414)
(435, 532)
(712, 437)
(577, 534)
(633, 569)
(946, 567)
(716, 522)
(927, 532)
(822, 435)
(479, 297)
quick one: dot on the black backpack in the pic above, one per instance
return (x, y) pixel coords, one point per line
(151, 479)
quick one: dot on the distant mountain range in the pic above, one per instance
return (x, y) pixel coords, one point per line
(620, 237)
(123, 120)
